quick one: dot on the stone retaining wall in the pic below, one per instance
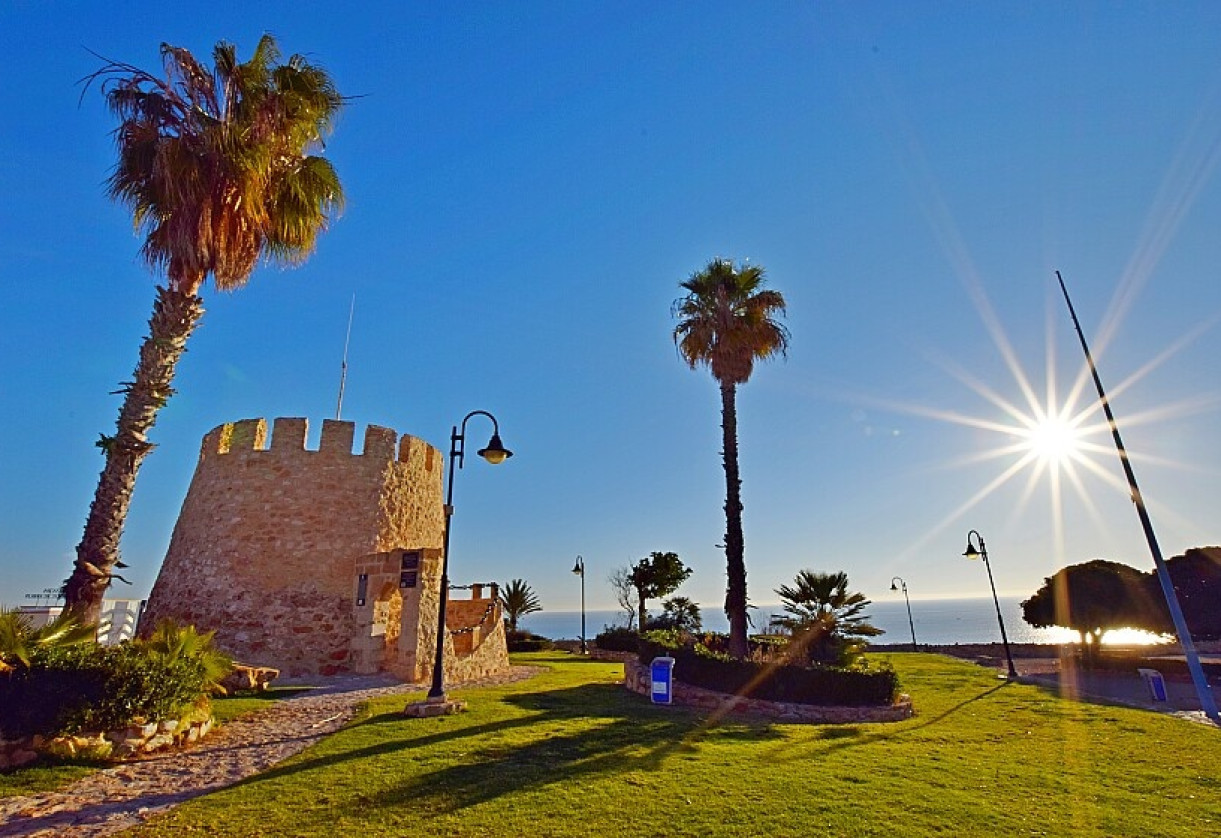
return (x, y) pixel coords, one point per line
(122, 743)
(636, 677)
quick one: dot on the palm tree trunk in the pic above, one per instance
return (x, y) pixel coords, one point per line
(175, 315)
(735, 571)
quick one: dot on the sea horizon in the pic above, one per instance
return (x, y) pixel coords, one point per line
(936, 621)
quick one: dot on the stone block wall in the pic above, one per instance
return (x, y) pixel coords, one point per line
(267, 543)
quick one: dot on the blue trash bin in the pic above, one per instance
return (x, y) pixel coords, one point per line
(1155, 682)
(661, 672)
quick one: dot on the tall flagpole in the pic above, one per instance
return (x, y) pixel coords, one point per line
(343, 370)
(1203, 691)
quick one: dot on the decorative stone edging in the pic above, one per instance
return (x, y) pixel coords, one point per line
(609, 655)
(122, 743)
(636, 677)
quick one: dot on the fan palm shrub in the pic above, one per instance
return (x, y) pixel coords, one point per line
(827, 623)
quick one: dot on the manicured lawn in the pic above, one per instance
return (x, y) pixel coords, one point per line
(44, 775)
(228, 708)
(571, 753)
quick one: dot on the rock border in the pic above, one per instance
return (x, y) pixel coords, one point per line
(127, 742)
(637, 678)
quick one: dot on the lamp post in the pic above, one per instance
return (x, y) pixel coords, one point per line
(1204, 693)
(910, 624)
(982, 552)
(579, 570)
(495, 453)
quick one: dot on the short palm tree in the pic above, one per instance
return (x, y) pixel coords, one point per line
(171, 642)
(827, 622)
(218, 171)
(518, 599)
(726, 322)
(19, 639)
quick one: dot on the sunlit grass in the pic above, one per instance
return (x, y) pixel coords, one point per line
(571, 752)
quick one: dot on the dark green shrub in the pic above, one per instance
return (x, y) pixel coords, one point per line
(41, 699)
(617, 639)
(774, 682)
(524, 641)
(96, 688)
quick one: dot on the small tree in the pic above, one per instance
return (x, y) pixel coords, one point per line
(1197, 580)
(827, 623)
(1093, 597)
(654, 576)
(682, 614)
(625, 593)
(518, 599)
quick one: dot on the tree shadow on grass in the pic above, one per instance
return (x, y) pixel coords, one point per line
(618, 732)
(640, 737)
(832, 739)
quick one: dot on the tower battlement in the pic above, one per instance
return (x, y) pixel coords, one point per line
(288, 436)
(270, 532)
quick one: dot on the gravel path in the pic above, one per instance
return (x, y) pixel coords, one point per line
(122, 796)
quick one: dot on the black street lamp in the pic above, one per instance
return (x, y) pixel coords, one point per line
(495, 453)
(579, 570)
(910, 624)
(982, 552)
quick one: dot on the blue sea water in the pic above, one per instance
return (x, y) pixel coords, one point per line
(937, 621)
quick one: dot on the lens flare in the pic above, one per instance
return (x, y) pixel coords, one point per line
(1054, 440)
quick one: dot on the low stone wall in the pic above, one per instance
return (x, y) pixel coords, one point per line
(609, 655)
(123, 743)
(488, 659)
(636, 677)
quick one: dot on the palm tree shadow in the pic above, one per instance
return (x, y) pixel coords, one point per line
(846, 737)
(637, 736)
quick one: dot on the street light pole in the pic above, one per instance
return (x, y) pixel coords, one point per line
(1208, 702)
(982, 552)
(910, 623)
(495, 453)
(579, 569)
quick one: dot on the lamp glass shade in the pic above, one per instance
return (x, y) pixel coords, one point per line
(971, 552)
(495, 453)
(893, 586)
(578, 569)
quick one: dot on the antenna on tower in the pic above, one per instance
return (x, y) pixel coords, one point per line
(343, 370)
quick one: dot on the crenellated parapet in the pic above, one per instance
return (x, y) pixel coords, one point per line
(270, 532)
(289, 436)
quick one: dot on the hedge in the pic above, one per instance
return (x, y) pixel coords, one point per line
(96, 688)
(825, 686)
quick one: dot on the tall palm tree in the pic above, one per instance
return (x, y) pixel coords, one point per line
(518, 599)
(218, 171)
(727, 321)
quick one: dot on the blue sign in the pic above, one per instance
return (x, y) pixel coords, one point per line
(662, 676)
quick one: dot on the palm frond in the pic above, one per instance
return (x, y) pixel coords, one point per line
(728, 320)
(217, 167)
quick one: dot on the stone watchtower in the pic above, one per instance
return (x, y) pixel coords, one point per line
(322, 562)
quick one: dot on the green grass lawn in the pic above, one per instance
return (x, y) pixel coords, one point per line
(228, 708)
(571, 753)
(43, 775)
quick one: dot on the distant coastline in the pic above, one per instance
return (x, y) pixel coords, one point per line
(937, 622)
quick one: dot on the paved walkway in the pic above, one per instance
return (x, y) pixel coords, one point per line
(1126, 688)
(113, 799)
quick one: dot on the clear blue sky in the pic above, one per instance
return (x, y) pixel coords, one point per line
(527, 185)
